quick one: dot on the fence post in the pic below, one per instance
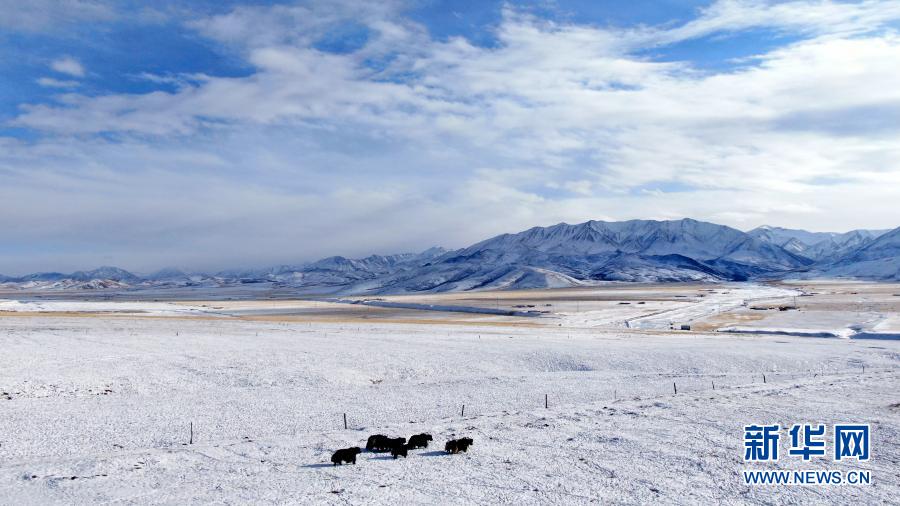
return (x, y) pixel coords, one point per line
(463, 412)
(675, 387)
(764, 378)
(546, 402)
(345, 420)
(191, 440)
(713, 384)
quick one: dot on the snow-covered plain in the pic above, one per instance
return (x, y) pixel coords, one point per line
(96, 408)
(145, 308)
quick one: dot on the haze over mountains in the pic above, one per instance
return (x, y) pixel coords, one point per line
(557, 256)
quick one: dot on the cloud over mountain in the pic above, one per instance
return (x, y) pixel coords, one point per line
(325, 126)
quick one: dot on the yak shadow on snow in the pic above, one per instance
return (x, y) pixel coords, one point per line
(316, 466)
(434, 453)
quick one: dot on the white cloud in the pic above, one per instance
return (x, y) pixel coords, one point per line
(815, 17)
(318, 153)
(49, 82)
(68, 65)
(46, 15)
(301, 23)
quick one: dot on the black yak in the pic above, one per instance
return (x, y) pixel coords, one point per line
(420, 440)
(347, 455)
(391, 443)
(458, 445)
(399, 451)
(379, 443)
(376, 441)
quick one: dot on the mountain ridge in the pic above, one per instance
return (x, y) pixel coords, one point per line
(554, 256)
(817, 246)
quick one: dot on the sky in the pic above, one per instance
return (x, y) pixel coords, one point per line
(207, 135)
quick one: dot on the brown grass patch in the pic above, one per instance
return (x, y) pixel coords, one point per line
(720, 320)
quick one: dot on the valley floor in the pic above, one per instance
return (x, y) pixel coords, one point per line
(98, 403)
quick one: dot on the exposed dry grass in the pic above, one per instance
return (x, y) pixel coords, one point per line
(726, 320)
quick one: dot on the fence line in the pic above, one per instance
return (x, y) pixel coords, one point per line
(661, 388)
(680, 385)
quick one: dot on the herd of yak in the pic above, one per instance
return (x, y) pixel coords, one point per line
(397, 446)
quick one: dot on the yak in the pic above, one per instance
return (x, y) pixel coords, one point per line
(458, 445)
(375, 442)
(399, 451)
(347, 455)
(420, 440)
(379, 443)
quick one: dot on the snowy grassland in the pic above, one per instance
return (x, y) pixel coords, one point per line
(81, 306)
(96, 409)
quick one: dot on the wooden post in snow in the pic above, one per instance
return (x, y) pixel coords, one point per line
(675, 387)
(463, 411)
(546, 402)
(345, 420)
(191, 440)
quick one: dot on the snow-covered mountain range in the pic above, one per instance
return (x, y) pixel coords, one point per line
(818, 246)
(557, 256)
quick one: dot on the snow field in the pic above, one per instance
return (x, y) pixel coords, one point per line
(99, 395)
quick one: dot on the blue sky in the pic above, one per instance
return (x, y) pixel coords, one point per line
(132, 41)
(206, 135)
(138, 38)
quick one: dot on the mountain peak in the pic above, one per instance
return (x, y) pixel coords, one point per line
(558, 255)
